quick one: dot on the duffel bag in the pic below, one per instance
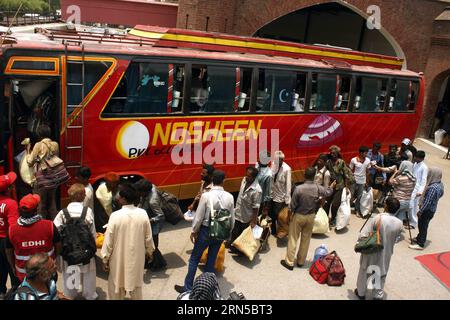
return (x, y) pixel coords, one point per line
(335, 268)
(52, 177)
(170, 207)
(318, 271)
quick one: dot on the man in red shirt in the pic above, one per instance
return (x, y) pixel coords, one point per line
(31, 235)
(8, 216)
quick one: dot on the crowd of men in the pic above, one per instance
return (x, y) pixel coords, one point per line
(30, 244)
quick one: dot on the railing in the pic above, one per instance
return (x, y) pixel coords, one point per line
(7, 18)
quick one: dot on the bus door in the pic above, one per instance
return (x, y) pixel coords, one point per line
(31, 98)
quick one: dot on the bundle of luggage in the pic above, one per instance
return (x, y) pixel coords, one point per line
(327, 268)
(252, 240)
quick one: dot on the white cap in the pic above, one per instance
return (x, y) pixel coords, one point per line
(406, 141)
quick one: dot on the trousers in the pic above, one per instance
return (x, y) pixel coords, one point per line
(300, 224)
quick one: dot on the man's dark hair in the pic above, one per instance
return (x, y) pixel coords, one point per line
(143, 186)
(36, 264)
(392, 205)
(403, 156)
(44, 131)
(129, 193)
(377, 145)
(209, 168)
(218, 177)
(420, 154)
(363, 149)
(253, 171)
(310, 173)
(324, 157)
(84, 172)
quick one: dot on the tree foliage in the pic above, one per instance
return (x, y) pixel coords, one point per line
(33, 6)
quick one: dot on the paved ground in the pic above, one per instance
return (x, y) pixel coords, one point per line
(265, 278)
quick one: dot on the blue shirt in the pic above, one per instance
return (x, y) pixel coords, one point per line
(432, 195)
(37, 295)
(379, 158)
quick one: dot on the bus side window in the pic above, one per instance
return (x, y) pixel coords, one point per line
(144, 89)
(370, 94)
(94, 71)
(213, 89)
(323, 94)
(281, 91)
(343, 98)
(400, 95)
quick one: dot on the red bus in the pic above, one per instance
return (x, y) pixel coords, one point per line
(118, 100)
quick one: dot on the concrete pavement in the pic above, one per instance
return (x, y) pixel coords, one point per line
(265, 278)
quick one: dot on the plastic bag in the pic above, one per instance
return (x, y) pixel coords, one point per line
(439, 136)
(320, 251)
(366, 202)
(321, 225)
(343, 214)
(27, 173)
(247, 244)
(99, 240)
(189, 215)
(220, 260)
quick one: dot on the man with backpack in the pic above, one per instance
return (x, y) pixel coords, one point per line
(77, 229)
(207, 230)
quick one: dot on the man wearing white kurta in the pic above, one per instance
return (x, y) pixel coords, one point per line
(420, 171)
(87, 273)
(128, 239)
(281, 187)
(379, 262)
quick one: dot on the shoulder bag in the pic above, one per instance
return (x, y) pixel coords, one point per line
(371, 243)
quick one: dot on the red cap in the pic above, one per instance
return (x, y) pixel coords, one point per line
(7, 180)
(30, 202)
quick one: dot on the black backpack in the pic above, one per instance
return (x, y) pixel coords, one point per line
(170, 207)
(78, 244)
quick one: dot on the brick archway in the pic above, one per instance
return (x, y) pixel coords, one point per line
(434, 87)
(336, 7)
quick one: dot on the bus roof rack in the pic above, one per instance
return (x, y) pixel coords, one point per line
(183, 38)
(213, 41)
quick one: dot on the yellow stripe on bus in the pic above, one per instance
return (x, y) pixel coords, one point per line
(262, 46)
